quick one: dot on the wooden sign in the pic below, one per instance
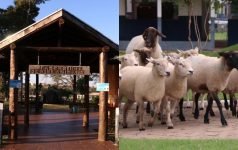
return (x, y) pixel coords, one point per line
(66, 70)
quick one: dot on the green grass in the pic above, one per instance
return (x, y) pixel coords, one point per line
(169, 144)
(220, 36)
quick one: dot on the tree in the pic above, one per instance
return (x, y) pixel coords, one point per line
(14, 18)
(18, 16)
(217, 6)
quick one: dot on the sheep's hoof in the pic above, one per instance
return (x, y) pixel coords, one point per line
(201, 108)
(212, 114)
(233, 113)
(182, 118)
(170, 127)
(124, 126)
(196, 115)
(224, 123)
(142, 129)
(150, 124)
(206, 121)
(226, 106)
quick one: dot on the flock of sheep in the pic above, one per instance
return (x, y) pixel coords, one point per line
(147, 74)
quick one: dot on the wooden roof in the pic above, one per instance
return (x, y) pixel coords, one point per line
(57, 39)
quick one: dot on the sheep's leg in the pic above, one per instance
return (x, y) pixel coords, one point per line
(125, 112)
(196, 113)
(212, 112)
(162, 111)
(137, 113)
(223, 120)
(226, 102)
(181, 116)
(141, 112)
(137, 108)
(156, 109)
(148, 109)
(169, 122)
(233, 99)
(193, 101)
(173, 107)
(210, 101)
(231, 102)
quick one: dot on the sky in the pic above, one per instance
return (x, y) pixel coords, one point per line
(102, 15)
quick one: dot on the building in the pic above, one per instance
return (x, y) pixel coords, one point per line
(169, 17)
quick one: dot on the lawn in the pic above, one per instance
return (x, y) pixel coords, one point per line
(181, 144)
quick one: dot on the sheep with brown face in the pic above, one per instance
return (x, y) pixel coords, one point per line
(147, 43)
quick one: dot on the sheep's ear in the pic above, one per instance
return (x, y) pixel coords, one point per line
(171, 60)
(150, 60)
(179, 51)
(145, 33)
(161, 34)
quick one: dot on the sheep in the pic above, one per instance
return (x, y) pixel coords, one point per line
(211, 78)
(143, 83)
(128, 60)
(147, 41)
(184, 54)
(231, 89)
(175, 86)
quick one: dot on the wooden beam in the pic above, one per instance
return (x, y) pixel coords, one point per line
(75, 90)
(102, 129)
(13, 96)
(26, 119)
(60, 30)
(37, 109)
(86, 101)
(67, 49)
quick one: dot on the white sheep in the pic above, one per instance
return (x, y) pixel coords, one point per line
(184, 54)
(231, 89)
(143, 83)
(211, 76)
(128, 60)
(147, 41)
(175, 86)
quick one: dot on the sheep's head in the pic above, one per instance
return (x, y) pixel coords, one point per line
(231, 59)
(128, 60)
(183, 67)
(143, 53)
(189, 53)
(150, 36)
(160, 65)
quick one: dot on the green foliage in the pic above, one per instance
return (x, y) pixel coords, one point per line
(18, 16)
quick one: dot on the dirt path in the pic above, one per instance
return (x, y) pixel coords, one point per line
(190, 129)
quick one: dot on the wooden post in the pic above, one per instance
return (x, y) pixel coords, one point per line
(13, 96)
(26, 119)
(74, 89)
(102, 129)
(21, 92)
(86, 101)
(37, 109)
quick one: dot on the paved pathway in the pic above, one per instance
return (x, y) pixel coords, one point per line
(59, 131)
